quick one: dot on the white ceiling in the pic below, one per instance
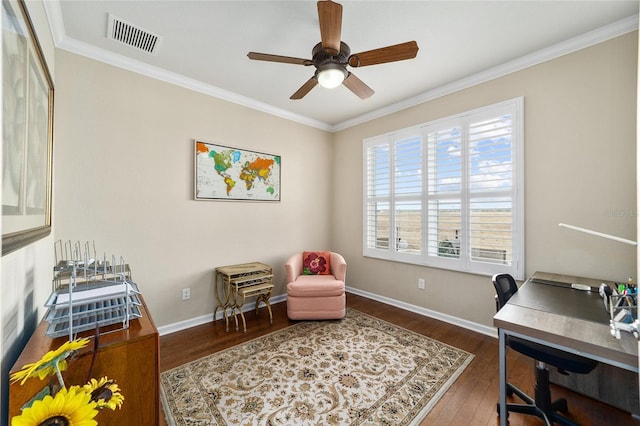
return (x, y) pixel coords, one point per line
(205, 43)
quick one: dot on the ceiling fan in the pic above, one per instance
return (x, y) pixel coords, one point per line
(331, 56)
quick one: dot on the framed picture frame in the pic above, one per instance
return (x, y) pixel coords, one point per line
(27, 130)
(225, 173)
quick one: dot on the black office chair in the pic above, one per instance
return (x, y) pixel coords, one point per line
(540, 406)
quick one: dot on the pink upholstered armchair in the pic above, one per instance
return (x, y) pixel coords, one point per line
(316, 296)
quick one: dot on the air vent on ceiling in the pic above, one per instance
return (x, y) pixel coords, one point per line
(132, 35)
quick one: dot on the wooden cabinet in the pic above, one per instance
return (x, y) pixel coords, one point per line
(129, 356)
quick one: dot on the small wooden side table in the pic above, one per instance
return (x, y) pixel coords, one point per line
(235, 283)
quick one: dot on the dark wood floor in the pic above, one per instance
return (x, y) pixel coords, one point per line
(471, 400)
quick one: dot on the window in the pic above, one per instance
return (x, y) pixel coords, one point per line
(449, 193)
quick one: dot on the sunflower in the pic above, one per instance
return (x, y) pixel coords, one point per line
(105, 393)
(51, 363)
(71, 407)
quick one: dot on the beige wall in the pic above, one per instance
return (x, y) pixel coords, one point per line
(124, 178)
(580, 164)
(580, 169)
(27, 272)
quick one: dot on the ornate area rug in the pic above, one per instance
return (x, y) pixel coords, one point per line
(354, 371)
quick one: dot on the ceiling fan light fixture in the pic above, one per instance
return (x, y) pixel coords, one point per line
(331, 76)
(331, 56)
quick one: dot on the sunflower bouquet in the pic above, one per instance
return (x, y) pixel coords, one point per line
(58, 404)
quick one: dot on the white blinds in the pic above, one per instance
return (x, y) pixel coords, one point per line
(378, 196)
(408, 194)
(449, 192)
(491, 189)
(444, 180)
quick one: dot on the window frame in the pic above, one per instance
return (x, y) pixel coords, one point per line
(464, 263)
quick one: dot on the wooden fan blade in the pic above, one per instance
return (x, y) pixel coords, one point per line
(277, 58)
(397, 52)
(356, 85)
(306, 88)
(330, 17)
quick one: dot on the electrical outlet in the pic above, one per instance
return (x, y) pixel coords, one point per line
(421, 283)
(186, 293)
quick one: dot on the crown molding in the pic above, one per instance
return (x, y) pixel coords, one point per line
(157, 73)
(62, 41)
(583, 41)
(56, 23)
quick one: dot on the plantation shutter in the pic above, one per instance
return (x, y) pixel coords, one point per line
(408, 195)
(378, 171)
(491, 189)
(444, 177)
(449, 193)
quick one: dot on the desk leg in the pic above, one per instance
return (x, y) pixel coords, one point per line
(502, 355)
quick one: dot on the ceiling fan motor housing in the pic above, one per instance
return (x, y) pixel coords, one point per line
(322, 57)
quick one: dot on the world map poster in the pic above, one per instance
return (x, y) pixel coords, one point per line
(226, 173)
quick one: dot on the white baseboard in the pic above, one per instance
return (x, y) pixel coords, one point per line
(473, 326)
(192, 322)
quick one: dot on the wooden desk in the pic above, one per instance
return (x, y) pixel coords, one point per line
(534, 315)
(129, 356)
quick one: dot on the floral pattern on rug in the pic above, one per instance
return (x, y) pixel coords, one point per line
(356, 371)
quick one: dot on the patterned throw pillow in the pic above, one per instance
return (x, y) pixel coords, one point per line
(316, 263)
